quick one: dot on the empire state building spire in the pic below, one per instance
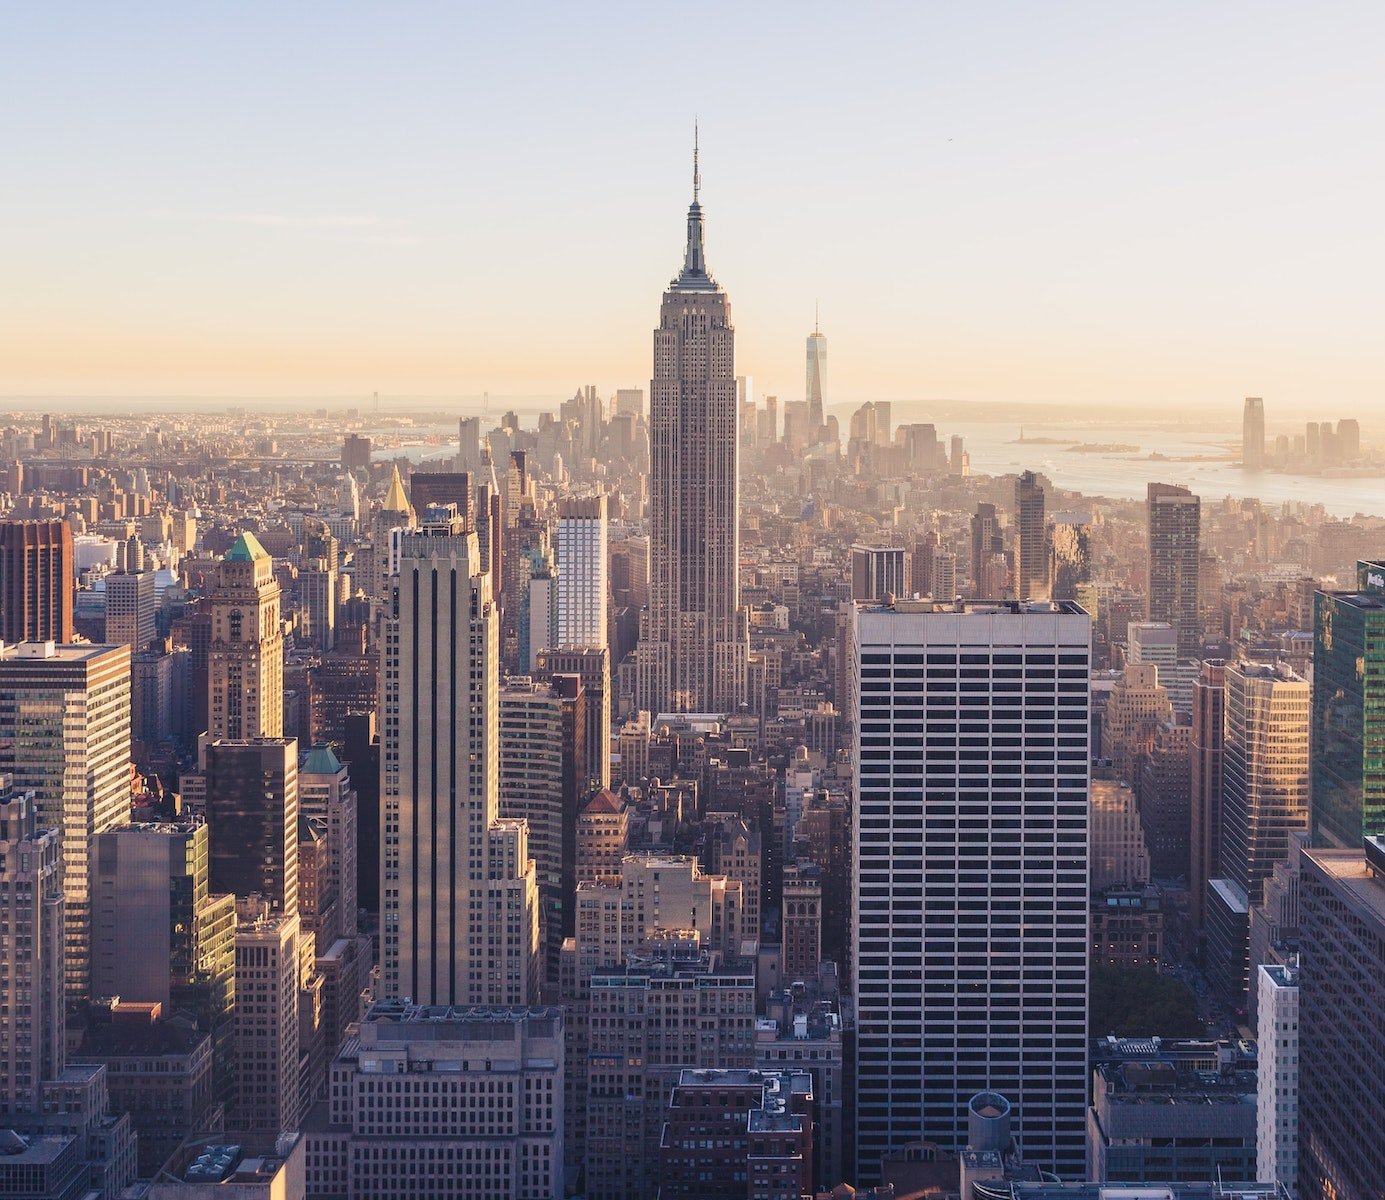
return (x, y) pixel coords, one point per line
(694, 275)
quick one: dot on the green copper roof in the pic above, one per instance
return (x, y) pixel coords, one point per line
(246, 549)
(321, 761)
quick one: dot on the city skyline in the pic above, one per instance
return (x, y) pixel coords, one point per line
(407, 250)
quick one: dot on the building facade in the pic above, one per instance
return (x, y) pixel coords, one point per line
(993, 995)
(1349, 711)
(245, 665)
(65, 736)
(36, 581)
(1174, 517)
(458, 890)
(451, 1103)
(693, 651)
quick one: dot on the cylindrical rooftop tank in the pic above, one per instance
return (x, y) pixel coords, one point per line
(988, 1122)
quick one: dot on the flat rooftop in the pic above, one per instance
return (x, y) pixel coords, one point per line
(1349, 869)
(986, 608)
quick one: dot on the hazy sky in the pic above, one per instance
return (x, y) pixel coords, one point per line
(1178, 204)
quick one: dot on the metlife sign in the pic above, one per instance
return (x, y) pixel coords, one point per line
(1371, 577)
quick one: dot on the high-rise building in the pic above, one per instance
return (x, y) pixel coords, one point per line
(65, 736)
(1341, 1026)
(879, 571)
(355, 453)
(1137, 706)
(159, 935)
(396, 513)
(36, 581)
(459, 898)
(582, 582)
(245, 697)
(1253, 434)
(622, 915)
(1276, 1117)
(817, 370)
(491, 1127)
(31, 983)
(468, 443)
(1265, 770)
(648, 1023)
(987, 542)
(1349, 711)
(989, 990)
(693, 652)
(1208, 744)
(592, 665)
(1070, 561)
(1174, 518)
(130, 604)
(318, 587)
(1165, 792)
(252, 819)
(1032, 546)
(1157, 642)
(1119, 853)
(1265, 779)
(531, 789)
(268, 1098)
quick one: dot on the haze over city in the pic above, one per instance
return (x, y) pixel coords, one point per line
(696, 603)
(1072, 204)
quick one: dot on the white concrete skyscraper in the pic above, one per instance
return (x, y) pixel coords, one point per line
(582, 575)
(817, 368)
(694, 639)
(969, 908)
(458, 891)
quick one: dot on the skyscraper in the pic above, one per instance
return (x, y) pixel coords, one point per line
(36, 589)
(531, 786)
(31, 983)
(1265, 771)
(130, 602)
(1253, 434)
(459, 919)
(970, 873)
(1208, 743)
(592, 664)
(1349, 711)
(817, 368)
(1341, 1026)
(1174, 517)
(582, 582)
(693, 650)
(1031, 550)
(65, 736)
(987, 547)
(252, 819)
(245, 667)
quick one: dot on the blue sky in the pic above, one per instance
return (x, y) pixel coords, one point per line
(1094, 203)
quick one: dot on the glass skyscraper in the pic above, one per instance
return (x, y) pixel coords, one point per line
(1349, 711)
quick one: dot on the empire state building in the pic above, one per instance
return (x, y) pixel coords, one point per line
(694, 643)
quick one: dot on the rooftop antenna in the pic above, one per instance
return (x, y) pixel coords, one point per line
(697, 178)
(816, 324)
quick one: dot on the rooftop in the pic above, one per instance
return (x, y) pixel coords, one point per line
(1350, 870)
(247, 548)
